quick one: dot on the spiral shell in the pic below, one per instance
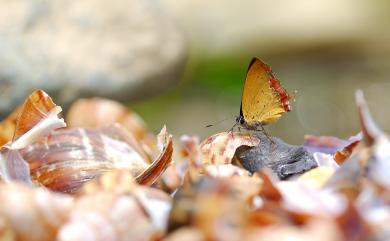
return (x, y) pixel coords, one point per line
(64, 159)
(100, 113)
(67, 158)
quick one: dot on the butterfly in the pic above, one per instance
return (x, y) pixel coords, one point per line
(263, 100)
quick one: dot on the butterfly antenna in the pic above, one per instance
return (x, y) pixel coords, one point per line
(217, 123)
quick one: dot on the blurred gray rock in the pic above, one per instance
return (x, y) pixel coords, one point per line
(123, 49)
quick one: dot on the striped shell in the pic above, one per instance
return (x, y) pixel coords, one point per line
(67, 158)
(220, 148)
(64, 159)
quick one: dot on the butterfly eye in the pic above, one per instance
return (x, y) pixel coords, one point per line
(242, 121)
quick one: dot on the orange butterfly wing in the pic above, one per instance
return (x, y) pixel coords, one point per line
(264, 100)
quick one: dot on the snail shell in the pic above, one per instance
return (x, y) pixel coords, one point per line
(220, 148)
(64, 159)
(67, 158)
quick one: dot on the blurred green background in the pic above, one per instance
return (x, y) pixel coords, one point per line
(182, 63)
(323, 49)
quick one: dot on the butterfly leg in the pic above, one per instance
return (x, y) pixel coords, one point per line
(266, 134)
(251, 136)
(232, 129)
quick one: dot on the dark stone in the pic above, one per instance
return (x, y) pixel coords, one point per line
(283, 159)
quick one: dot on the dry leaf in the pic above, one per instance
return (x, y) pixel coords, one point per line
(328, 144)
(343, 154)
(370, 160)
